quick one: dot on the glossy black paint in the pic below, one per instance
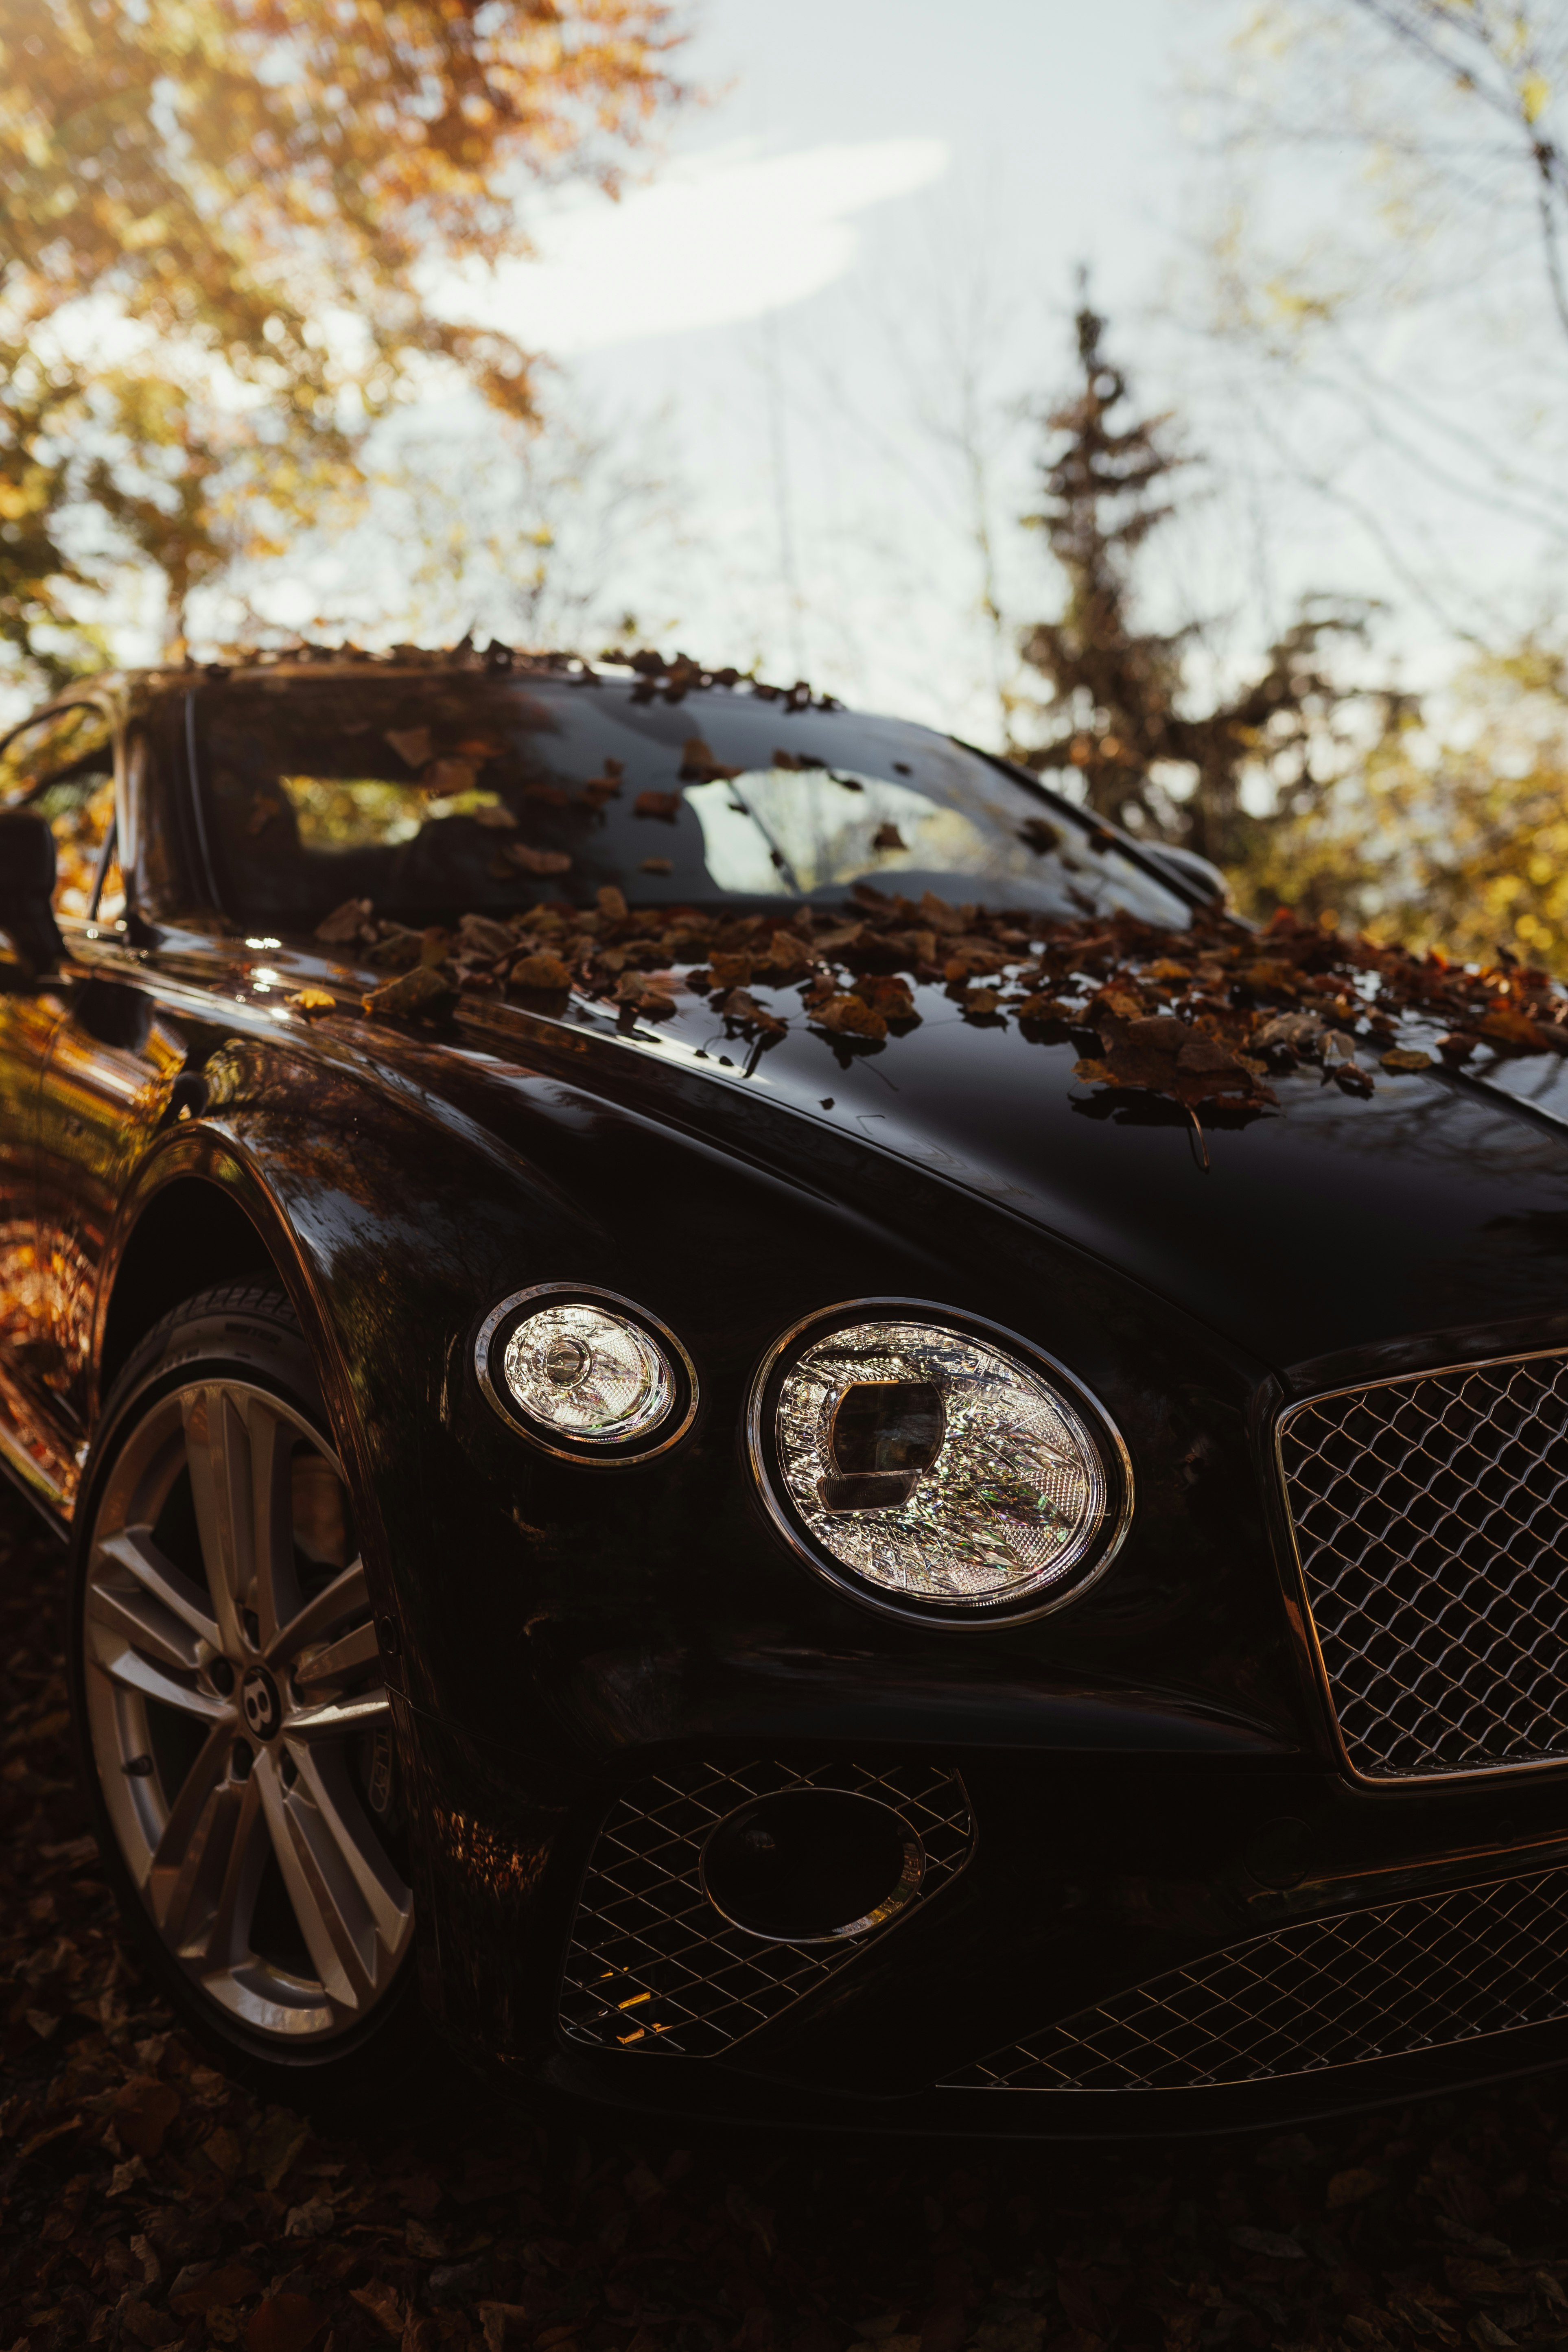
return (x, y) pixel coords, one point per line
(1151, 1767)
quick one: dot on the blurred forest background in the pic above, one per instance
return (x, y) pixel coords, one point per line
(1264, 554)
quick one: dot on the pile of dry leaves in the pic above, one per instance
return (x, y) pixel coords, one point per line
(1205, 1014)
(147, 2199)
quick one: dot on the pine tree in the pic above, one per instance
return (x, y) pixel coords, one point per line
(1119, 706)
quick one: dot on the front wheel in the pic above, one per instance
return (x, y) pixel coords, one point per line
(229, 1699)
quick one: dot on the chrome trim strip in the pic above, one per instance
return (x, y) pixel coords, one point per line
(934, 1613)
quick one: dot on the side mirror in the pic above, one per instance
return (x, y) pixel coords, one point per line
(27, 886)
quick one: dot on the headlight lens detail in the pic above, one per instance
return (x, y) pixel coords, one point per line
(589, 1373)
(936, 1467)
(585, 1374)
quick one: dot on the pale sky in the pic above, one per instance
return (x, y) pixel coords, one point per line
(813, 347)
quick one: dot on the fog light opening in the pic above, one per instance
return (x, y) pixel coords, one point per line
(811, 1865)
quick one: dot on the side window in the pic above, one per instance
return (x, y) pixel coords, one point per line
(63, 766)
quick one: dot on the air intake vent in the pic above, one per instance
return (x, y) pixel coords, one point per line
(654, 1964)
(1431, 1520)
(1416, 1976)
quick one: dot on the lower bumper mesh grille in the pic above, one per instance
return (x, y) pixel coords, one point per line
(1431, 1517)
(652, 1964)
(1421, 1975)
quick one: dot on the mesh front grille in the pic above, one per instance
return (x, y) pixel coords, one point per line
(1417, 1976)
(653, 1966)
(1430, 1516)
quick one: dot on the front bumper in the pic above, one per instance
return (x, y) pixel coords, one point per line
(1121, 1944)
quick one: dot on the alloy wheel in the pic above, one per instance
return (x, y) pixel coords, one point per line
(238, 1719)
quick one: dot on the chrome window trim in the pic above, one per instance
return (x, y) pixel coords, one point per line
(966, 1616)
(606, 1457)
(1389, 1782)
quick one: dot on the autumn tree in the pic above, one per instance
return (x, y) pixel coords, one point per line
(1120, 707)
(219, 227)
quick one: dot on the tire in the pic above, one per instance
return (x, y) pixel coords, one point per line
(235, 1734)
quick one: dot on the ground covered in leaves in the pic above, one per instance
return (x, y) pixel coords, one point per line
(148, 2199)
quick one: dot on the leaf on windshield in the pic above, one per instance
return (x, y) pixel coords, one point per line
(538, 861)
(446, 778)
(666, 806)
(698, 765)
(344, 923)
(411, 744)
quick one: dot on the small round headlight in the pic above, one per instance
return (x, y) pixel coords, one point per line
(586, 1373)
(936, 1470)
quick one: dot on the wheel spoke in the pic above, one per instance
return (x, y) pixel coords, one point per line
(191, 1859)
(217, 1448)
(324, 1782)
(348, 1914)
(330, 1717)
(350, 1654)
(276, 1592)
(123, 1665)
(346, 1596)
(133, 1549)
(145, 1626)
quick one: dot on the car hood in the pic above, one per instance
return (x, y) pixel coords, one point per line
(1332, 1223)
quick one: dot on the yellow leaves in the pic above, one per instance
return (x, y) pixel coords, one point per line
(1534, 97)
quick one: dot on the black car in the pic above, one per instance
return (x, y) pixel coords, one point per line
(681, 1447)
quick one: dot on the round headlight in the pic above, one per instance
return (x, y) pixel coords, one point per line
(586, 1373)
(935, 1469)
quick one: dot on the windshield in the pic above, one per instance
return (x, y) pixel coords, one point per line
(439, 793)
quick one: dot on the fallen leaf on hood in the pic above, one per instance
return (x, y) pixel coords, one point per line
(1506, 1026)
(1289, 1029)
(740, 1007)
(498, 818)
(312, 1002)
(611, 903)
(1407, 1058)
(478, 934)
(666, 806)
(411, 991)
(543, 971)
(850, 1016)
(651, 866)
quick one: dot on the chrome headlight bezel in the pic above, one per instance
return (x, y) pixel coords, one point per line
(1086, 1564)
(496, 1332)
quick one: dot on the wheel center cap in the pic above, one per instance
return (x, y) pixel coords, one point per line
(263, 1708)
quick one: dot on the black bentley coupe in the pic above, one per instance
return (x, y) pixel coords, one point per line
(756, 1544)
